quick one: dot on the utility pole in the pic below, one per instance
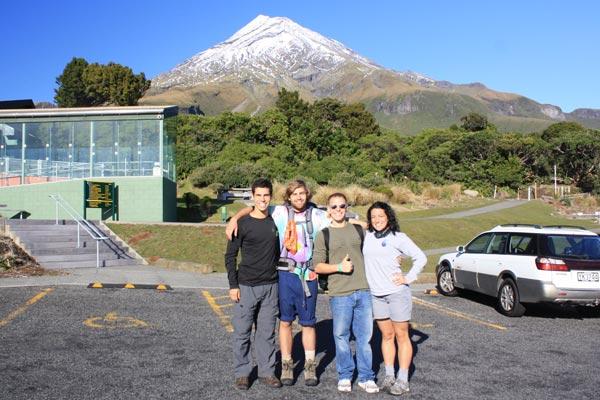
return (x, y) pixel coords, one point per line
(555, 188)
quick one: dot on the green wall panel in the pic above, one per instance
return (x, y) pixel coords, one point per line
(150, 199)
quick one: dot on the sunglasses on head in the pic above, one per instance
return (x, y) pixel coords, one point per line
(341, 206)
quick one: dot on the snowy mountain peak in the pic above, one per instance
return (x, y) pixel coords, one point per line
(269, 50)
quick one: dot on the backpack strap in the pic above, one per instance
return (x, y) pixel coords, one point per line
(325, 232)
(361, 233)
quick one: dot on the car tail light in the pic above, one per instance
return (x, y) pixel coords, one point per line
(550, 264)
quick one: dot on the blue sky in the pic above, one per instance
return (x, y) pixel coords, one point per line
(547, 50)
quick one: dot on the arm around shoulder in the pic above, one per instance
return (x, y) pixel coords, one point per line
(232, 226)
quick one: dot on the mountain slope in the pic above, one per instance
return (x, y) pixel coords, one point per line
(245, 72)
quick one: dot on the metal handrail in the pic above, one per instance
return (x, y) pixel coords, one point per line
(93, 231)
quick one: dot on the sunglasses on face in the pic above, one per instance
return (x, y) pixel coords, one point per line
(341, 206)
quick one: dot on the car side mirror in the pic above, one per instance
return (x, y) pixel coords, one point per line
(460, 249)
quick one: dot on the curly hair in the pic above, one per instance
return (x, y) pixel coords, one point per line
(389, 212)
(293, 185)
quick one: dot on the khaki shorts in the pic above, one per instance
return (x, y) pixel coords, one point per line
(396, 306)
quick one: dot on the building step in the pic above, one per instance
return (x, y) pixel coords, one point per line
(55, 246)
(23, 222)
(87, 244)
(80, 257)
(85, 264)
(46, 238)
(47, 228)
(74, 250)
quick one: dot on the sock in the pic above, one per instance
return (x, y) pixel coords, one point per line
(309, 355)
(402, 375)
(389, 370)
(286, 357)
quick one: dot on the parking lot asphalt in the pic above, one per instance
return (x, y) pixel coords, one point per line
(70, 342)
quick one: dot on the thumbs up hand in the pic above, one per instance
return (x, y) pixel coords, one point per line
(347, 265)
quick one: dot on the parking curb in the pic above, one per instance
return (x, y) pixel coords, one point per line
(128, 285)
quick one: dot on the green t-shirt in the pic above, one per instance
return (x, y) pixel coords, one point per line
(342, 241)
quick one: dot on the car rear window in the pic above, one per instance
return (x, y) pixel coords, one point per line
(572, 246)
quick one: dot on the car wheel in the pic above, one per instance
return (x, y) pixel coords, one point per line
(508, 299)
(445, 282)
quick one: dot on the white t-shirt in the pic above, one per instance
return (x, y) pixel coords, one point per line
(381, 264)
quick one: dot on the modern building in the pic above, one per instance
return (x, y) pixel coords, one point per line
(56, 151)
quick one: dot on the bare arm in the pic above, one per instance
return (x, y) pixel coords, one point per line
(231, 228)
(358, 222)
(345, 266)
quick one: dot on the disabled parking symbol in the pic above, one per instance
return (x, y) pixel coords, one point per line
(114, 321)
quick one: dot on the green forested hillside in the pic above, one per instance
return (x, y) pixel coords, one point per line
(336, 143)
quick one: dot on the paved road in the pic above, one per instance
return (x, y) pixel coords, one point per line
(481, 210)
(67, 342)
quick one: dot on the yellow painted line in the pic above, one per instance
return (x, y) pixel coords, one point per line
(458, 314)
(24, 307)
(225, 305)
(220, 297)
(225, 319)
(113, 321)
(419, 325)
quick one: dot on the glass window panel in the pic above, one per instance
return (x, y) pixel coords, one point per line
(149, 148)
(169, 148)
(105, 145)
(126, 146)
(522, 244)
(479, 244)
(10, 153)
(497, 244)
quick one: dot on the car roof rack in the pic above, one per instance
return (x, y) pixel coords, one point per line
(566, 227)
(536, 226)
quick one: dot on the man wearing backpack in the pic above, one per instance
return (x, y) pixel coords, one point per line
(338, 254)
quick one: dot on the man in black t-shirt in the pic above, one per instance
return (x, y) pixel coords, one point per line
(253, 289)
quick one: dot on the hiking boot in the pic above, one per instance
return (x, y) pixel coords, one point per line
(310, 373)
(388, 382)
(369, 386)
(399, 387)
(344, 385)
(287, 372)
(242, 383)
(270, 381)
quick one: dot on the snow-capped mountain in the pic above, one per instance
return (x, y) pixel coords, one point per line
(245, 72)
(268, 50)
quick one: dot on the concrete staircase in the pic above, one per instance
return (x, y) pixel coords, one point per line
(55, 246)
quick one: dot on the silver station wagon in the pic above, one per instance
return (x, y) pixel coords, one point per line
(519, 264)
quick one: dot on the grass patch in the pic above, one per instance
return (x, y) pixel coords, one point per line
(200, 244)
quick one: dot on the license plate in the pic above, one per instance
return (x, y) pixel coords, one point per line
(588, 276)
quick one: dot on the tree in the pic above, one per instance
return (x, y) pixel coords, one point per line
(83, 85)
(71, 88)
(474, 122)
(290, 104)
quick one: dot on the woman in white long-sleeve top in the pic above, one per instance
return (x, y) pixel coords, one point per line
(390, 290)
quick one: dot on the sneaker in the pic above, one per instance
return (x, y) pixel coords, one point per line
(270, 381)
(310, 373)
(242, 383)
(388, 382)
(344, 385)
(287, 372)
(369, 386)
(399, 387)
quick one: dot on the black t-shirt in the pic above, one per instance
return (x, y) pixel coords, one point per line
(259, 242)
